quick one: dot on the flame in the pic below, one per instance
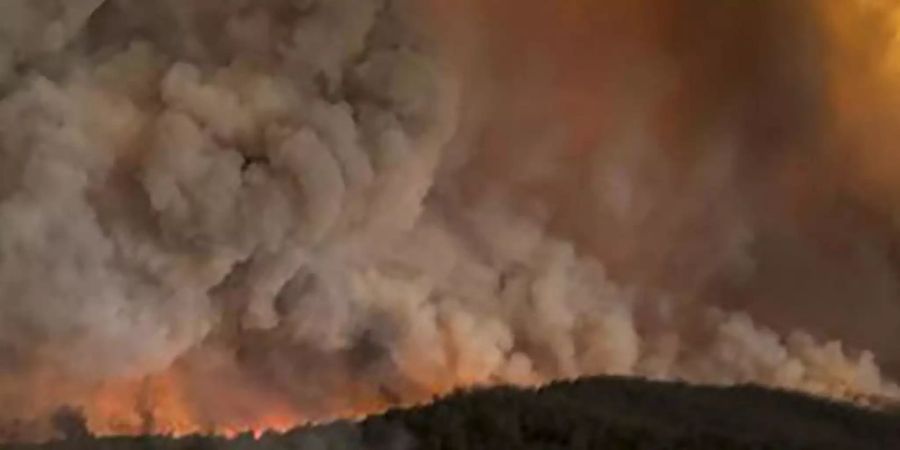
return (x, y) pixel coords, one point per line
(161, 404)
(151, 404)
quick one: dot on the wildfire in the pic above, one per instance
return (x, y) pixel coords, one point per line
(165, 404)
(280, 226)
(153, 404)
(161, 404)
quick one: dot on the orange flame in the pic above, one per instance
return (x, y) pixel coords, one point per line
(162, 404)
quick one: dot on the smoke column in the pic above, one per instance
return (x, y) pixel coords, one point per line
(249, 214)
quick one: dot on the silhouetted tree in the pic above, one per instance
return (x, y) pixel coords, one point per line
(597, 413)
(70, 423)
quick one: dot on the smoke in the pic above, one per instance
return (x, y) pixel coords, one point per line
(221, 215)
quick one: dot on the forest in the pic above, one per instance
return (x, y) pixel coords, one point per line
(606, 413)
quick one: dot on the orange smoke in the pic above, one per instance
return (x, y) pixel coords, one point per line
(864, 83)
(153, 404)
(164, 403)
(161, 404)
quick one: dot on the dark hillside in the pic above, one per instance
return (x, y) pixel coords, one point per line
(597, 413)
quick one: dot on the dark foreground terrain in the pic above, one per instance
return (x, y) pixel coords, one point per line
(598, 413)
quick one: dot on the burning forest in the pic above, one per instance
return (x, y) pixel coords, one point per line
(221, 216)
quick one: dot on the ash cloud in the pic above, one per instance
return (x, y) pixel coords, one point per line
(219, 215)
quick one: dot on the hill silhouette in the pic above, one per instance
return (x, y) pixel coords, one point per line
(592, 413)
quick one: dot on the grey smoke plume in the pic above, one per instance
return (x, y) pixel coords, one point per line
(217, 215)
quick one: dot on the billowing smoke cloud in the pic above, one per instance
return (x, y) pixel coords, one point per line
(219, 215)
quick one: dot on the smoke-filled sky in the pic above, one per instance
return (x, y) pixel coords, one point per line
(230, 214)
